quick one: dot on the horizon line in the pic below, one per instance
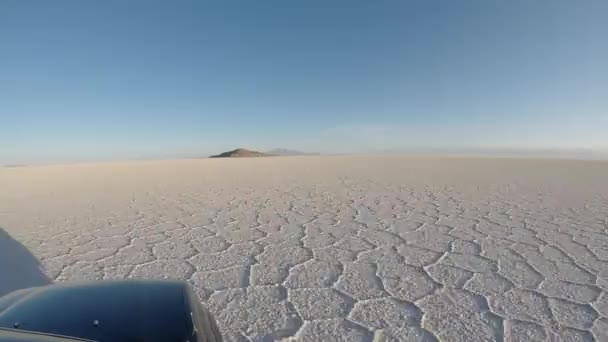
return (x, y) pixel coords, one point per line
(600, 154)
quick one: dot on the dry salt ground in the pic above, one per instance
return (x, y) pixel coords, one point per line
(332, 248)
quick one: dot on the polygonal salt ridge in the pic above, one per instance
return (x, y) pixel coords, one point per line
(571, 249)
(591, 264)
(590, 238)
(227, 278)
(353, 244)
(488, 283)
(381, 313)
(519, 304)
(384, 254)
(240, 224)
(343, 229)
(433, 229)
(360, 281)
(274, 318)
(600, 329)
(270, 221)
(318, 240)
(404, 225)
(448, 276)
(295, 218)
(566, 271)
(171, 249)
(474, 323)
(52, 249)
(569, 334)
(493, 248)
(578, 293)
(163, 269)
(518, 270)
(274, 264)
(579, 316)
(398, 334)
(417, 256)
(404, 281)
(468, 234)
(601, 304)
(334, 254)
(196, 220)
(574, 251)
(210, 244)
(53, 266)
(237, 254)
(332, 330)
(92, 254)
(117, 272)
(493, 229)
(429, 240)
(516, 330)
(282, 240)
(457, 222)
(162, 228)
(129, 255)
(189, 233)
(320, 303)
(574, 273)
(385, 208)
(109, 231)
(147, 240)
(81, 271)
(469, 262)
(518, 235)
(277, 227)
(552, 235)
(554, 254)
(599, 250)
(584, 258)
(380, 238)
(505, 220)
(323, 222)
(365, 216)
(422, 217)
(242, 235)
(465, 247)
(314, 274)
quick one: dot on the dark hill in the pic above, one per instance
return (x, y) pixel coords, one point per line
(241, 153)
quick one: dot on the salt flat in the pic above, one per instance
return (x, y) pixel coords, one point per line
(337, 248)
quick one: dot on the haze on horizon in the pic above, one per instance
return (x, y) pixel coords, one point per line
(123, 80)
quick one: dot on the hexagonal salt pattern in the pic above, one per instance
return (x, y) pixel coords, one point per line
(337, 248)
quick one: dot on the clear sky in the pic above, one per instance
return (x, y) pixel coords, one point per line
(87, 80)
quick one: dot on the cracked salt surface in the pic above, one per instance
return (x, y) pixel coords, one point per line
(337, 248)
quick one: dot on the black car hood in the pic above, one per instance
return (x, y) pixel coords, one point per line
(104, 311)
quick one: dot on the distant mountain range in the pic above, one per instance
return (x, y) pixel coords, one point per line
(245, 153)
(241, 153)
(288, 152)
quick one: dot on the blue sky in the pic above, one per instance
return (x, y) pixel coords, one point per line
(99, 80)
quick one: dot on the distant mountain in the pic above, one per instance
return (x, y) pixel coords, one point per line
(288, 152)
(241, 153)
